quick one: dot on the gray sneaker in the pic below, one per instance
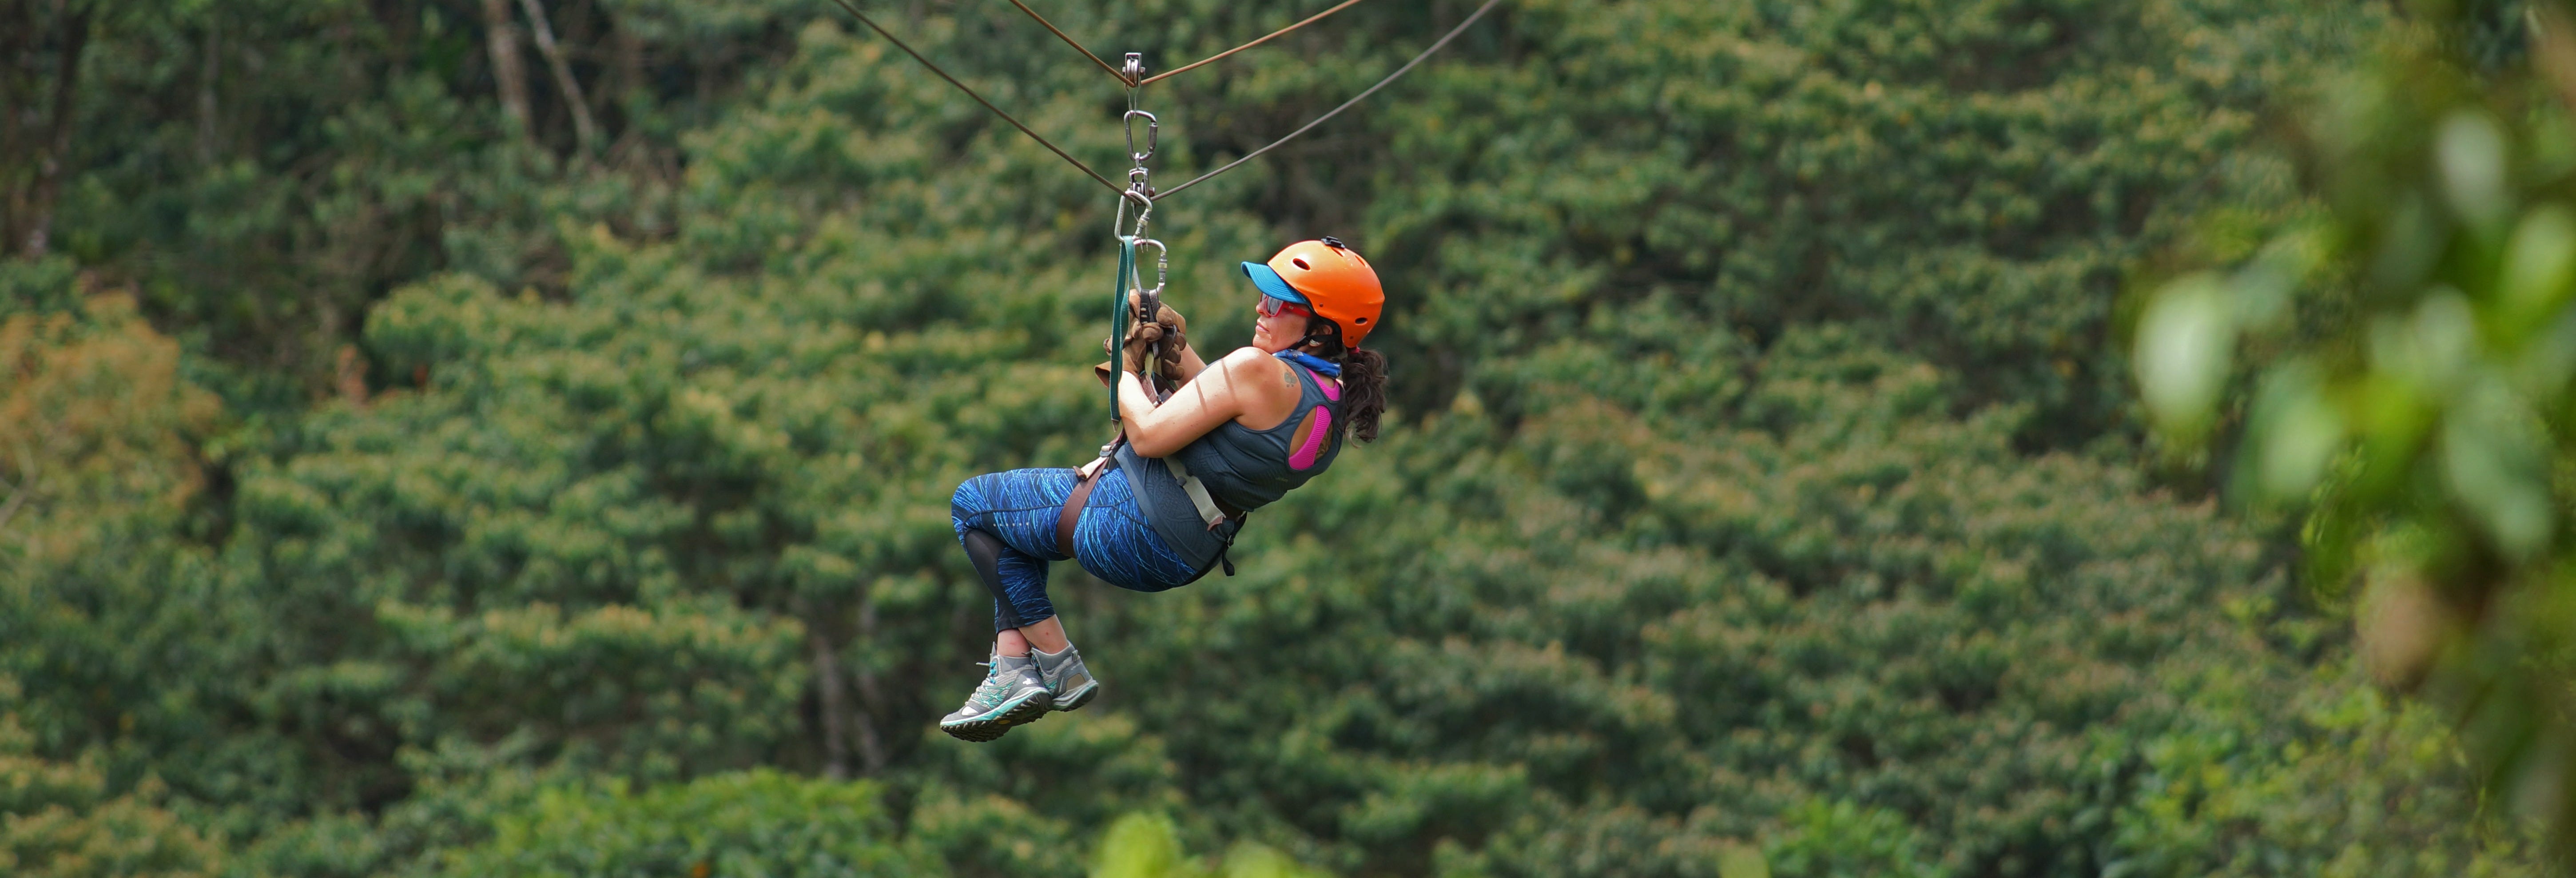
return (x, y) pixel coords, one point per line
(1066, 676)
(1012, 693)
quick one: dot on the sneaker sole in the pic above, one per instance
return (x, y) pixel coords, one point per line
(1079, 697)
(993, 725)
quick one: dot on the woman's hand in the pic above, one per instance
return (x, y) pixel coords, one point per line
(1164, 314)
(1179, 362)
(1138, 348)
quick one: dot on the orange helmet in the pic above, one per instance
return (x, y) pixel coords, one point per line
(1327, 277)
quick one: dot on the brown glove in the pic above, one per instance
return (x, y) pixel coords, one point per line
(1175, 338)
(1139, 346)
(1163, 313)
(1176, 329)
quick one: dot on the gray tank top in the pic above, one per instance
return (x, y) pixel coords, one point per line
(1243, 468)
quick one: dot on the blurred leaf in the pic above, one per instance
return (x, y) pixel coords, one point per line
(2186, 340)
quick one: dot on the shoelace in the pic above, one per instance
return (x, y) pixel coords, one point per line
(992, 689)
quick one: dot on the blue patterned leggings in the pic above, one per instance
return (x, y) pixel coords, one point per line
(1111, 540)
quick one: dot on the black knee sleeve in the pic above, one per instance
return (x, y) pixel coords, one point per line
(986, 551)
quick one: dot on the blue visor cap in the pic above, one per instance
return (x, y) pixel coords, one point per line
(1272, 285)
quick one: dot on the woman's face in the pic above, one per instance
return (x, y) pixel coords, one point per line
(1280, 331)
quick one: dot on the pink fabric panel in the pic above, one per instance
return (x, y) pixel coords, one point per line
(1332, 388)
(1304, 457)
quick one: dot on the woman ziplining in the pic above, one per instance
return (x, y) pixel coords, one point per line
(1199, 445)
(1161, 509)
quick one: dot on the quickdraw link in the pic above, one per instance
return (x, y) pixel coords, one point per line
(1133, 301)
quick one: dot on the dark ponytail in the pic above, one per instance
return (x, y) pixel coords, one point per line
(1363, 379)
(1363, 391)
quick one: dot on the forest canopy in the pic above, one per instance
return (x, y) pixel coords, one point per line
(437, 440)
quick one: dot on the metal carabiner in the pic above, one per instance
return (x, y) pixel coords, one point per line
(1118, 227)
(1162, 269)
(1144, 305)
(1153, 134)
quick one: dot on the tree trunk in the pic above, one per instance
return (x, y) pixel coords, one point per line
(17, 43)
(508, 75)
(831, 699)
(630, 63)
(585, 129)
(58, 134)
(827, 685)
(871, 701)
(630, 80)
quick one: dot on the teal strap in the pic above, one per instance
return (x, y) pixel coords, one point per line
(1118, 317)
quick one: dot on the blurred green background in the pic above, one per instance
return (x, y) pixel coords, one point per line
(428, 452)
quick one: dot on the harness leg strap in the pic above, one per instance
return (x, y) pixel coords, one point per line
(1084, 480)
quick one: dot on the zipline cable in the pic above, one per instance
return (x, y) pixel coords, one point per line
(1006, 117)
(1211, 59)
(1391, 77)
(1123, 79)
(1435, 48)
(1095, 59)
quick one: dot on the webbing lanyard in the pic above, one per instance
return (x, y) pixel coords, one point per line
(1140, 189)
(1119, 311)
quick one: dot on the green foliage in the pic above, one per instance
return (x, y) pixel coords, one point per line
(1840, 839)
(1140, 846)
(96, 418)
(753, 823)
(1966, 185)
(1755, 502)
(2221, 795)
(1149, 846)
(108, 610)
(2411, 346)
(58, 820)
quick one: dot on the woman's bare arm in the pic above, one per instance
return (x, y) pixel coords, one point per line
(1247, 384)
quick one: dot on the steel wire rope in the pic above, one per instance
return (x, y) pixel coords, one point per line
(1095, 59)
(1006, 117)
(1211, 59)
(1391, 77)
